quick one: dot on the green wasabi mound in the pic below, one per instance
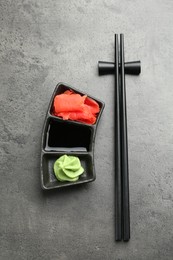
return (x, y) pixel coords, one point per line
(68, 168)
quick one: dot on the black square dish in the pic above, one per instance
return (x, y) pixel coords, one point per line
(49, 180)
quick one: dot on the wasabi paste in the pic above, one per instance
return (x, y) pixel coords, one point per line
(68, 168)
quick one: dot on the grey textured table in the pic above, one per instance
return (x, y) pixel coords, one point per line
(43, 43)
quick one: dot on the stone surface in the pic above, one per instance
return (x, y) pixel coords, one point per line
(43, 43)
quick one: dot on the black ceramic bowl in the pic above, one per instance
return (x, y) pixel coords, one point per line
(69, 137)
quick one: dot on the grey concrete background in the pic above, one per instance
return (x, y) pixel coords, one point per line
(43, 43)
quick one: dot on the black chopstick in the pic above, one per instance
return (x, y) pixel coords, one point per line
(118, 192)
(124, 148)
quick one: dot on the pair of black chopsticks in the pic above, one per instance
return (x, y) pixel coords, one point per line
(119, 68)
(122, 209)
